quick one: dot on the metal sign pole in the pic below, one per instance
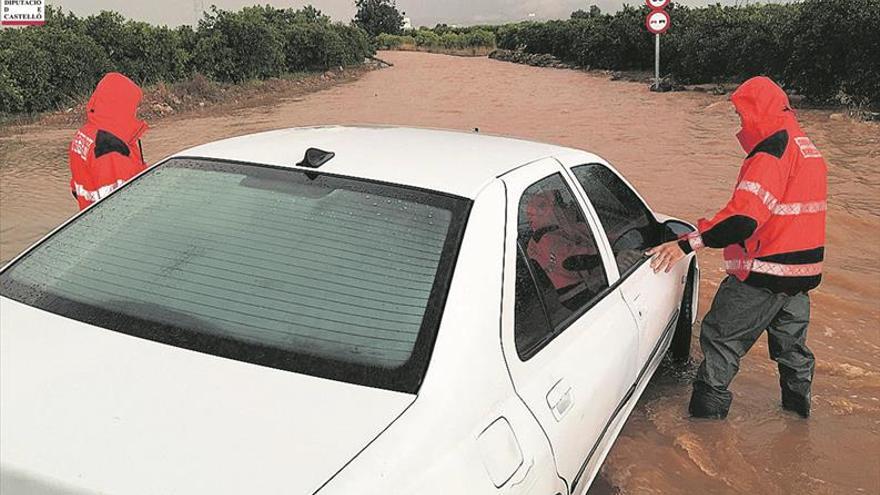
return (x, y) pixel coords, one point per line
(657, 61)
(657, 23)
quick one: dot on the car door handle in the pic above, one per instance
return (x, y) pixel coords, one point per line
(560, 398)
(638, 306)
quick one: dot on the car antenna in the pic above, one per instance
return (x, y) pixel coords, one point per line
(314, 158)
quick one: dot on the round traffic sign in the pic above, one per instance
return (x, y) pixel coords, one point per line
(657, 4)
(658, 21)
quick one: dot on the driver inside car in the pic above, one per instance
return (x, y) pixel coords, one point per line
(562, 246)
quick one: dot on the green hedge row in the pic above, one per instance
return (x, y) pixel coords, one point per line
(42, 68)
(433, 38)
(826, 50)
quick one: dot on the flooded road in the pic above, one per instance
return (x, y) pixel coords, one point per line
(679, 151)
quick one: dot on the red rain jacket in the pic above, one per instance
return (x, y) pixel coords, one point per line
(773, 228)
(556, 239)
(106, 151)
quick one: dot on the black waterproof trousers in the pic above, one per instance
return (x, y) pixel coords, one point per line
(739, 315)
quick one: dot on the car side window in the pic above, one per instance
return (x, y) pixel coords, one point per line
(629, 225)
(559, 253)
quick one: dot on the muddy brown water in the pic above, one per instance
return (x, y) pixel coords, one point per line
(679, 150)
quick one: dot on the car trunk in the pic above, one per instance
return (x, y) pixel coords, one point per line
(88, 410)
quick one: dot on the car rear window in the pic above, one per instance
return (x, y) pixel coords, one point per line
(330, 276)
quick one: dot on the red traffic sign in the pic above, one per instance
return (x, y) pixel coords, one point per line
(657, 4)
(658, 22)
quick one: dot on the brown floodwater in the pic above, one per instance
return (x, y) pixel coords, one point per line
(679, 150)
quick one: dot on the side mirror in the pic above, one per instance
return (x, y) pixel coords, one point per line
(673, 229)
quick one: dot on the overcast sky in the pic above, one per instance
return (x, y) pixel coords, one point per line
(422, 12)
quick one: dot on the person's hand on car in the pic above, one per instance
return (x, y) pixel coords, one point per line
(665, 256)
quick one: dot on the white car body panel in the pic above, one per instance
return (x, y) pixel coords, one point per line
(95, 411)
(652, 304)
(87, 410)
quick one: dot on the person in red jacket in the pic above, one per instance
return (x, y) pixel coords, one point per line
(562, 247)
(106, 151)
(773, 234)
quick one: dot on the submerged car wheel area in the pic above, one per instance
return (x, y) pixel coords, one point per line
(408, 311)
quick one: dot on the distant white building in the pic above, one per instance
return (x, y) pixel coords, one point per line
(407, 23)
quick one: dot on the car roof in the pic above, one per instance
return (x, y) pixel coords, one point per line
(454, 162)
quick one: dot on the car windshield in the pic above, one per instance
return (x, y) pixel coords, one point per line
(329, 276)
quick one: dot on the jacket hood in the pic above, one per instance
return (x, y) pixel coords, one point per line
(763, 108)
(113, 107)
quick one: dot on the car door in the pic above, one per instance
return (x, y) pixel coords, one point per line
(569, 339)
(630, 229)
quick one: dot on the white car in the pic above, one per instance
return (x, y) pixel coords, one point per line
(339, 310)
